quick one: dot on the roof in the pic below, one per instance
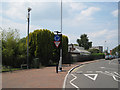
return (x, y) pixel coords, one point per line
(78, 50)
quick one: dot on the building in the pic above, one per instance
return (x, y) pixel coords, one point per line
(77, 53)
(77, 50)
(100, 48)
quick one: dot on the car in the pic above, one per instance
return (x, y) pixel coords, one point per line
(107, 57)
(110, 57)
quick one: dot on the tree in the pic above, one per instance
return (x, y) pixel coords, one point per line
(41, 45)
(84, 42)
(94, 50)
(116, 49)
(13, 49)
(9, 46)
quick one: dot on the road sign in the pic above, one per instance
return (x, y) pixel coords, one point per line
(57, 43)
(57, 38)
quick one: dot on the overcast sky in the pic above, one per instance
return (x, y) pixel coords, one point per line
(99, 20)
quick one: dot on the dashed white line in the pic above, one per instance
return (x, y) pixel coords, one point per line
(89, 71)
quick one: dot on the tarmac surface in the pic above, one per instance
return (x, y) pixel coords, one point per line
(103, 74)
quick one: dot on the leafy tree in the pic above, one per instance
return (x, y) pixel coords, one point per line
(84, 42)
(41, 45)
(116, 49)
(13, 50)
(9, 46)
(94, 50)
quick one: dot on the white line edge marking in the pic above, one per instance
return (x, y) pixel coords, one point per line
(88, 75)
(73, 80)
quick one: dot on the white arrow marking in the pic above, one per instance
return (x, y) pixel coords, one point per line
(89, 76)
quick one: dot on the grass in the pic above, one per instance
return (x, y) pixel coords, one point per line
(4, 69)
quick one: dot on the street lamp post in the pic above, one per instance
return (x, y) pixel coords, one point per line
(29, 9)
(60, 62)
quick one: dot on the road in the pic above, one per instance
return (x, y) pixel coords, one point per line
(101, 74)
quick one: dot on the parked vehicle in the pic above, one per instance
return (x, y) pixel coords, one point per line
(110, 57)
(106, 57)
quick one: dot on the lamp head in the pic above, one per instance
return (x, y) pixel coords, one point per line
(29, 9)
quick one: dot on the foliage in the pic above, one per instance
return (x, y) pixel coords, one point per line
(13, 52)
(116, 49)
(41, 45)
(84, 42)
(94, 50)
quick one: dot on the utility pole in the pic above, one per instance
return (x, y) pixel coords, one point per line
(29, 9)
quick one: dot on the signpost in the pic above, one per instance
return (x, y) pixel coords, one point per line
(57, 42)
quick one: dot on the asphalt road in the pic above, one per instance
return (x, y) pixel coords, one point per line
(101, 74)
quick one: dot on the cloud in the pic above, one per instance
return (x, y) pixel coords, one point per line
(22, 27)
(82, 17)
(15, 10)
(115, 13)
(72, 37)
(77, 6)
(106, 34)
(98, 33)
(89, 11)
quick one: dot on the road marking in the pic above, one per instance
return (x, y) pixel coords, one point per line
(66, 78)
(73, 80)
(102, 67)
(79, 72)
(112, 63)
(117, 74)
(89, 76)
(89, 71)
(98, 71)
(77, 68)
(112, 74)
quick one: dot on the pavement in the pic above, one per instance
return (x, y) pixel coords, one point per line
(103, 74)
(37, 78)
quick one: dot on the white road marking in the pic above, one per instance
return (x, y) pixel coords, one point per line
(112, 74)
(102, 67)
(79, 72)
(66, 78)
(89, 76)
(89, 71)
(112, 63)
(98, 71)
(73, 80)
(117, 74)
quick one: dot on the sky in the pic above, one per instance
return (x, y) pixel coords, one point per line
(99, 20)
